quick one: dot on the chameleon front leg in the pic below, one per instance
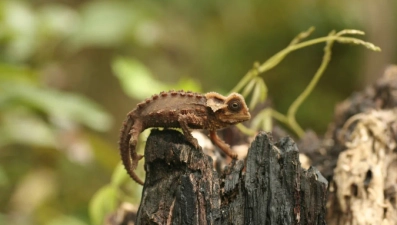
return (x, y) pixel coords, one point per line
(222, 145)
(184, 121)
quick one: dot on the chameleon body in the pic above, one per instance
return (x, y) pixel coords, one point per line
(180, 109)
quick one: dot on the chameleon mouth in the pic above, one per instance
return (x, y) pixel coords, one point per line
(241, 118)
(246, 116)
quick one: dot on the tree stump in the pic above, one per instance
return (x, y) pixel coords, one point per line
(182, 187)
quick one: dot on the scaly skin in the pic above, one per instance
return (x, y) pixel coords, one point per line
(185, 110)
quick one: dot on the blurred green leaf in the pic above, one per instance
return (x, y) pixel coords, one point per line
(267, 123)
(259, 91)
(105, 152)
(119, 175)
(66, 220)
(58, 105)
(20, 74)
(187, 83)
(263, 89)
(4, 180)
(262, 121)
(248, 88)
(3, 218)
(256, 122)
(256, 95)
(122, 180)
(136, 80)
(103, 203)
(20, 126)
(103, 23)
(19, 26)
(57, 20)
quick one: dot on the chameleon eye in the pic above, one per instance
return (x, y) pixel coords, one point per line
(234, 105)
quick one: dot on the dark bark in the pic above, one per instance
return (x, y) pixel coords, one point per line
(182, 187)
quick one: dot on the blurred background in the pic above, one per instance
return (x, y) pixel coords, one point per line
(70, 70)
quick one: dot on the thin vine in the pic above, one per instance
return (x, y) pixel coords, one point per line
(254, 84)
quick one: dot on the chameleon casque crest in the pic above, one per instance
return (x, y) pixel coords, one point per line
(180, 109)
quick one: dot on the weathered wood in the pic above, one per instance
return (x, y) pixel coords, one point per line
(182, 187)
(363, 156)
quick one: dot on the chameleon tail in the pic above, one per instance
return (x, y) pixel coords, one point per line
(128, 148)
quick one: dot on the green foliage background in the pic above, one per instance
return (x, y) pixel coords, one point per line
(70, 70)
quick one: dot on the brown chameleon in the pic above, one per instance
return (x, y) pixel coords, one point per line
(180, 109)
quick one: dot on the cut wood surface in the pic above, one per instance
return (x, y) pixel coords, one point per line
(182, 187)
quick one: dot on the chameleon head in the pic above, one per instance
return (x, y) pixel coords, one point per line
(229, 110)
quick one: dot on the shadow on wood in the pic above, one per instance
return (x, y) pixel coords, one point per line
(182, 187)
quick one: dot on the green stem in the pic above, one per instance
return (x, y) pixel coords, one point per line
(245, 130)
(277, 58)
(273, 61)
(302, 97)
(290, 119)
(279, 116)
(247, 77)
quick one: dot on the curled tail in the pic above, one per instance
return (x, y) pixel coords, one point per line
(127, 146)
